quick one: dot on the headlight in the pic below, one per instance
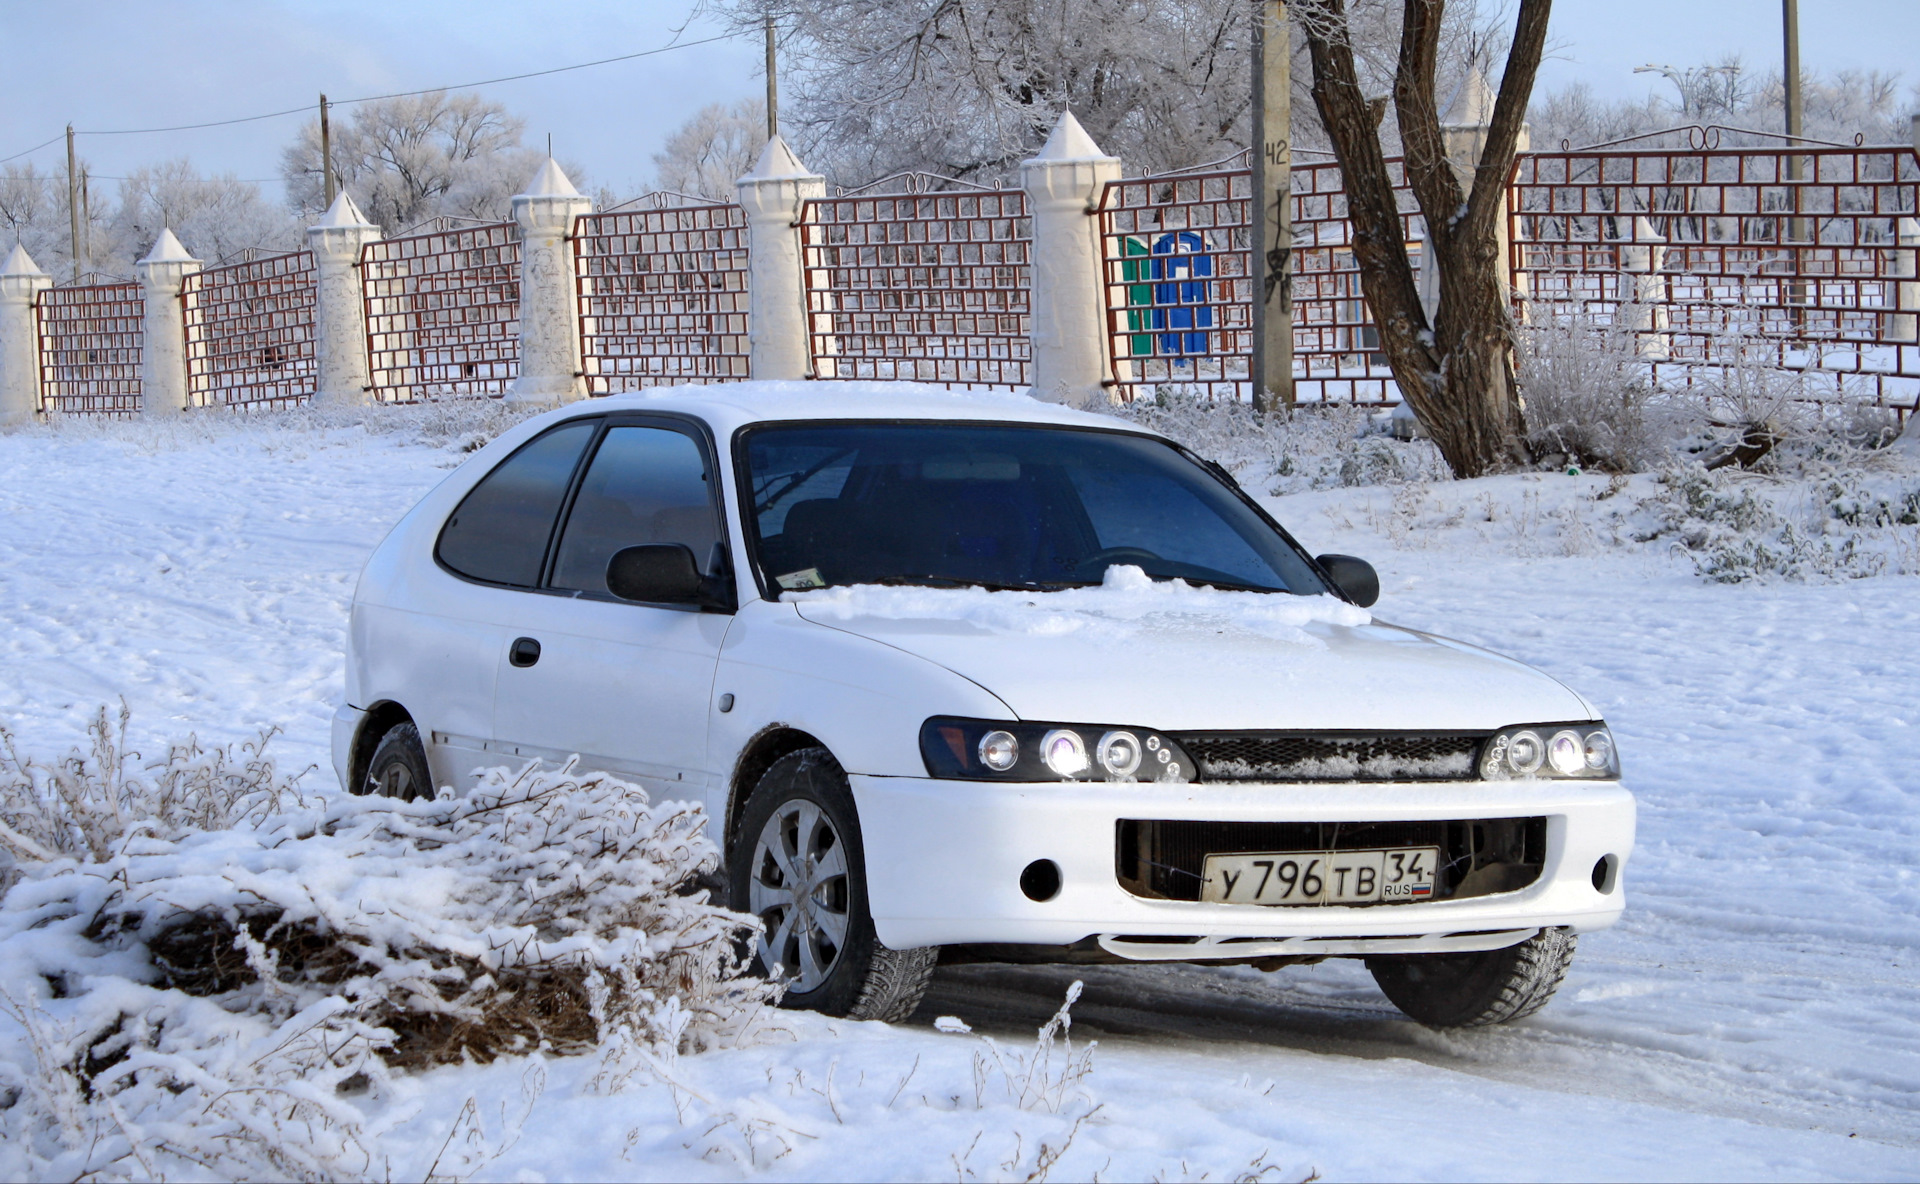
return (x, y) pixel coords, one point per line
(994, 750)
(1551, 750)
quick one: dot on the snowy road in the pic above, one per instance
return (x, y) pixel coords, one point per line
(1756, 1014)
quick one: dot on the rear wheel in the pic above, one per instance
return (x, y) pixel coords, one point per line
(798, 865)
(398, 767)
(1478, 989)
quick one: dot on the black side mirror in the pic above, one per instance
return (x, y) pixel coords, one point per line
(658, 573)
(1354, 578)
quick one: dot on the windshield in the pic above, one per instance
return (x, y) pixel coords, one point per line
(999, 506)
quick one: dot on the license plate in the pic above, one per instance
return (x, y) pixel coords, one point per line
(1322, 877)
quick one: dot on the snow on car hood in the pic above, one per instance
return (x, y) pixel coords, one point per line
(1175, 657)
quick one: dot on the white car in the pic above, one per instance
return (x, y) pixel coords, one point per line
(984, 672)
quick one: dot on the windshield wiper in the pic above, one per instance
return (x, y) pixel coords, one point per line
(931, 581)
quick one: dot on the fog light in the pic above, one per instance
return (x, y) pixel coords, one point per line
(1065, 752)
(998, 751)
(1041, 880)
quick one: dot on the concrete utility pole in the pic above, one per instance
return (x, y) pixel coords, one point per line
(1790, 22)
(773, 86)
(1272, 366)
(73, 207)
(326, 151)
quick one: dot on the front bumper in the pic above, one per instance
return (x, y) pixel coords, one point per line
(944, 860)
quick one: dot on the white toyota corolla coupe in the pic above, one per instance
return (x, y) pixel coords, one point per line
(980, 671)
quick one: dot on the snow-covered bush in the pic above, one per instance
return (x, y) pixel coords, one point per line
(214, 1001)
(1589, 401)
(1735, 528)
(83, 804)
(1315, 446)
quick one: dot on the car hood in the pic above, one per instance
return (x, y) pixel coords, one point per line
(1176, 658)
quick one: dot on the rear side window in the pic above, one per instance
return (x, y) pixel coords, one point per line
(499, 533)
(645, 485)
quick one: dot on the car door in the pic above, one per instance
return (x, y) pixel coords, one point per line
(624, 686)
(440, 654)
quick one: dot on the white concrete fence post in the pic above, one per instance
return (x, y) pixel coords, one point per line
(163, 343)
(773, 196)
(21, 282)
(342, 376)
(1465, 131)
(1071, 356)
(1902, 326)
(550, 370)
(1644, 260)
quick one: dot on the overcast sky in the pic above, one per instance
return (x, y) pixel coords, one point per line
(111, 64)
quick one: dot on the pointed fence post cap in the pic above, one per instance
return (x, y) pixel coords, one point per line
(550, 181)
(777, 163)
(1473, 106)
(167, 249)
(20, 263)
(343, 214)
(1070, 141)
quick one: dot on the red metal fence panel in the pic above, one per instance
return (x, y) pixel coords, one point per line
(663, 296)
(443, 313)
(90, 339)
(1800, 259)
(921, 286)
(250, 332)
(1176, 251)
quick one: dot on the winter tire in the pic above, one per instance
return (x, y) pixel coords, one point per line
(398, 768)
(799, 866)
(1477, 989)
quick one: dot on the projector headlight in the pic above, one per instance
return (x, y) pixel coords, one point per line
(1583, 751)
(995, 750)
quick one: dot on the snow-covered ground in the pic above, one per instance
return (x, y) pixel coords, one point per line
(1756, 1015)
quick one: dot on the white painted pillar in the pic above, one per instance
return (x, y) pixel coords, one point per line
(1643, 261)
(21, 282)
(1071, 354)
(163, 344)
(340, 306)
(1465, 131)
(773, 195)
(550, 369)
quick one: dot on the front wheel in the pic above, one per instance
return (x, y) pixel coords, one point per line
(1477, 989)
(798, 865)
(398, 766)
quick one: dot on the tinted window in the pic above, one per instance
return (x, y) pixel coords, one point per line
(1012, 506)
(645, 485)
(500, 531)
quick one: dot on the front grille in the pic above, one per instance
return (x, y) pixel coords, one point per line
(1166, 860)
(1332, 756)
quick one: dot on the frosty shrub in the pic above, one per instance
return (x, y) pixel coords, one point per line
(1588, 398)
(209, 1001)
(82, 805)
(1314, 446)
(1733, 532)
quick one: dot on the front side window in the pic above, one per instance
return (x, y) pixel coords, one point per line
(644, 485)
(499, 534)
(999, 506)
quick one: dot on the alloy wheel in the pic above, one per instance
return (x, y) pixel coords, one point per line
(799, 890)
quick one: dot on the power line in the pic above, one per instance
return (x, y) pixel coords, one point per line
(187, 127)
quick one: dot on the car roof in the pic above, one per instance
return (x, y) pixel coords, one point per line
(729, 406)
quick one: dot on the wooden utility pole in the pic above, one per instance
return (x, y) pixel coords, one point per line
(73, 207)
(773, 86)
(326, 152)
(1272, 364)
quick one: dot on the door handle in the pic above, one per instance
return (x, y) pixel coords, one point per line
(525, 651)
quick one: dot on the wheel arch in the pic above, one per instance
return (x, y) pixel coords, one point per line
(380, 718)
(768, 745)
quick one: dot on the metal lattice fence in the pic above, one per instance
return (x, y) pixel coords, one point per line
(921, 286)
(443, 313)
(663, 296)
(1177, 252)
(1797, 259)
(249, 330)
(90, 342)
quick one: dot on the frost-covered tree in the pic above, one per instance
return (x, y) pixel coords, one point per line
(708, 152)
(219, 219)
(409, 159)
